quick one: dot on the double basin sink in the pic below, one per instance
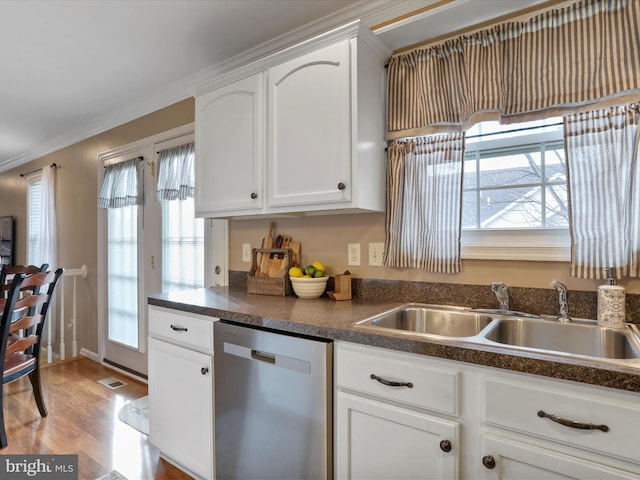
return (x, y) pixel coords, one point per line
(517, 330)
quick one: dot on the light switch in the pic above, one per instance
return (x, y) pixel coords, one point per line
(246, 252)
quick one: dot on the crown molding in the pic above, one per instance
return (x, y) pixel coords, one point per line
(367, 10)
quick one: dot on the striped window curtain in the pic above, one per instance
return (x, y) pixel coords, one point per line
(424, 203)
(121, 185)
(175, 172)
(563, 58)
(603, 172)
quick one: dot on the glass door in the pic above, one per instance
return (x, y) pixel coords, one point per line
(123, 326)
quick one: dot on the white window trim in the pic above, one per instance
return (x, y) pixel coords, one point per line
(538, 245)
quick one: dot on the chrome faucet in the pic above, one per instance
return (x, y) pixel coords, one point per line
(564, 306)
(502, 294)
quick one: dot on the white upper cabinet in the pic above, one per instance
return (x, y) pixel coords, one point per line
(309, 158)
(314, 142)
(229, 148)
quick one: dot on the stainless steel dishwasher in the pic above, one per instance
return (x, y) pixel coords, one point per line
(273, 405)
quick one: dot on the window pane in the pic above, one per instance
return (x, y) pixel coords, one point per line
(555, 165)
(470, 179)
(510, 168)
(469, 210)
(511, 208)
(123, 275)
(557, 206)
(182, 246)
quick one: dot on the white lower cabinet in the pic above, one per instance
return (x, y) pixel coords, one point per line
(497, 424)
(181, 389)
(385, 422)
(510, 459)
(383, 441)
(537, 428)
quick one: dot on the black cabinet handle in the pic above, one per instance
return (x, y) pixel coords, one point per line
(341, 186)
(489, 462)
(178, 329)
(390, 383)
(254, 195)
(445, 446)
(572, 424)
(204, 370)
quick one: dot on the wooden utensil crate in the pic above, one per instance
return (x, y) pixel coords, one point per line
(270, 261)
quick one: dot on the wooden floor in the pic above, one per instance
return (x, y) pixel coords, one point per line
(83, 420)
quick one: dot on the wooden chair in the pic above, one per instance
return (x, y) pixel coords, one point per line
(20, 355)
(7, 271)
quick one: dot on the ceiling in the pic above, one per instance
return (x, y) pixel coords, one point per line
(71, 69)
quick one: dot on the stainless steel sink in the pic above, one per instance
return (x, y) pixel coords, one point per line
(584, 338)
(431, 320)
(513, 330)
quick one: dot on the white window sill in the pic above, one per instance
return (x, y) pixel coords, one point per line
(538, 245)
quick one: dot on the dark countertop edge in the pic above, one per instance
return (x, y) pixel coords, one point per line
(580, 371)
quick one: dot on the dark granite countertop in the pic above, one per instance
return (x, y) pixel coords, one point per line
(333, 320)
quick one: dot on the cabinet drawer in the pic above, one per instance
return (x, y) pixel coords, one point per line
(184, 328)
(516, 406)
(434, 387)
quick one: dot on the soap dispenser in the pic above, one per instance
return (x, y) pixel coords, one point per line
(611, 303)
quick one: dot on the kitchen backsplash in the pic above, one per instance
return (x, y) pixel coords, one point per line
(582, 304)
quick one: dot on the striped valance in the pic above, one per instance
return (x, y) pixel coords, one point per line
(176, 177)
(121, 186)
(559, 59)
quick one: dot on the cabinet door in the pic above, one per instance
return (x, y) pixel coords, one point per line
(309, 134)
(375, 440)
(506, 459)
(181, 405)
(230, 148)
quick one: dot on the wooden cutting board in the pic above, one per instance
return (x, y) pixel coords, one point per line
(267, 242)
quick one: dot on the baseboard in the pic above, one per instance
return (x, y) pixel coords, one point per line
(89, 354)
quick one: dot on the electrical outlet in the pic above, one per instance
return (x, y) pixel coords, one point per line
(376, 251)
(353, 254)
(246, 252)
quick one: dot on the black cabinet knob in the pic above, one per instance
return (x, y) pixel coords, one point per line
(341, 186)
(254, 195)
(489, 462)
(204, 370)
(445, 446)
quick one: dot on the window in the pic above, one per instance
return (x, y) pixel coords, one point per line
(182, 246)
(34, 199)
(515, 193)
(182, 233)
(123, 275)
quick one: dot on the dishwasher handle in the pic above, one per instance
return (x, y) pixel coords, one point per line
(276, 359)
(263, 356)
